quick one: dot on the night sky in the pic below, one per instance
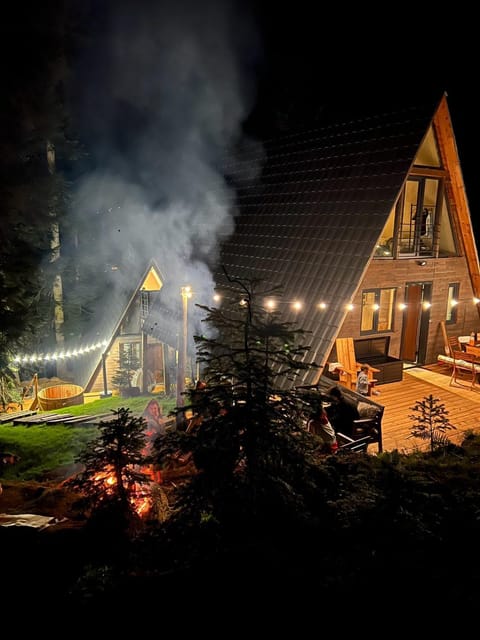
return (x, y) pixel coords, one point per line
(269, 66)
(336, 60)
(159, 88)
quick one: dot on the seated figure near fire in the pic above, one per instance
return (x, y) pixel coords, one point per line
(153, 416)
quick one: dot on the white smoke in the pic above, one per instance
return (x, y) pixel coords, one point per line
(160, 93)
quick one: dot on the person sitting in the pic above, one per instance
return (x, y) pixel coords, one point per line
(154, 419)
(342, 413)
(363, 384)
(319, 425)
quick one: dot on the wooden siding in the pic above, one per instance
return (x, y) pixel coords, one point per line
(396, 273)
(154, 362)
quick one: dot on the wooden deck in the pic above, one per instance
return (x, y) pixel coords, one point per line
(461, 402)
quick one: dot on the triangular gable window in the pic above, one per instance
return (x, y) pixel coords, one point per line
(152, 281)
(428, 155)
(419, 224)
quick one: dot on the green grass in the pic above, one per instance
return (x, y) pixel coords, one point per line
(44, 448)
(105, 405)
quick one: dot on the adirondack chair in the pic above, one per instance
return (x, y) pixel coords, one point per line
(350, 367)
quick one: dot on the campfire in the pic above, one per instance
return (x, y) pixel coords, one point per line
(139, 494)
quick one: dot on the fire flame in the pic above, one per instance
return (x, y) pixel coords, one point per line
(139, 495)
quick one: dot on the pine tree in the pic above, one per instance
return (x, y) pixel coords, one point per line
(249, 446)
(112, 466)
(430, 422)
(129, 363)
(32, 197)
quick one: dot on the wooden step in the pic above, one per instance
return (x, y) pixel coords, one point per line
(10, 417)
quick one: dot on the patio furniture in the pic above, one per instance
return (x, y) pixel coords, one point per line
(464, 368)
(349, 366)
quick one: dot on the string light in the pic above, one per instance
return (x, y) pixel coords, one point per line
(270, 304)
(60, 355)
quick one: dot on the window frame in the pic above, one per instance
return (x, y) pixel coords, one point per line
(451, 314)
(375, 313)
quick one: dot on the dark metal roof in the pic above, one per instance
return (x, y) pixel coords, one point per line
(311, 218)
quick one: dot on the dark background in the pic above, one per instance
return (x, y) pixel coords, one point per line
(319, 60)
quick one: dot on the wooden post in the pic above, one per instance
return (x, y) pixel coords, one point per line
(106, 393)
(35, 404)
(182, 349)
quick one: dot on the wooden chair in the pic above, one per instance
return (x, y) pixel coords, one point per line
(453, 345)
(350, 367)
(450, 342)
(464, 368)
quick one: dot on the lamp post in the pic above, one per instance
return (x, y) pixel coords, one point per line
(182, 346)
(106, 393)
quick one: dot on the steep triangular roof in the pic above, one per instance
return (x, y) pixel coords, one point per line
(110, 315)
(311, 221)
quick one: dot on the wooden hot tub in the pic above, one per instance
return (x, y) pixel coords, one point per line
(59, 396)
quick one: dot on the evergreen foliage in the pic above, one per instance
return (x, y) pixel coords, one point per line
(252, 455)
(33, 196)
(431, 422)
(9, 388)
(129, 363)
(113, 464)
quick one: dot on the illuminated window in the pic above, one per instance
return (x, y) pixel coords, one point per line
(377, 310)
(452, 300)
(420, 224)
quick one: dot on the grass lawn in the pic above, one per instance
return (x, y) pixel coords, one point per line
(44, 448)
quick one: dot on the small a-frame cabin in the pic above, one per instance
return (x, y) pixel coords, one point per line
(124, 324)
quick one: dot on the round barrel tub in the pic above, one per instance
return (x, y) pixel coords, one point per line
(59, 396)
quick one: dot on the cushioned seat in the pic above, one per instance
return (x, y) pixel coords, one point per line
(464, 365)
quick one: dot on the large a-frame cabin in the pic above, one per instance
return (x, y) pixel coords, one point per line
(365, 224)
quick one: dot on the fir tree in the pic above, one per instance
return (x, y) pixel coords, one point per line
(430, 422)
(33, 197)
(112, 466)
(129, 363)
(250, 449)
